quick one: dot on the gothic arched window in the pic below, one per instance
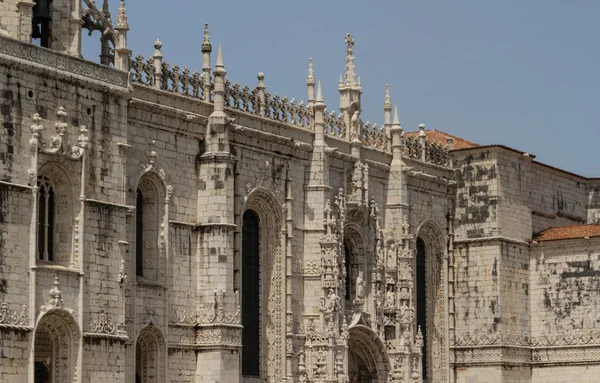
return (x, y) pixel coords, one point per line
(251, 294)
(149, 212)
(45, 234)
(422, 297)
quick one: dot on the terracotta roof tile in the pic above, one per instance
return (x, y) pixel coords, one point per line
(439, 137)
(568, 232)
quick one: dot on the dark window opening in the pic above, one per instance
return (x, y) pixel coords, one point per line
(251, 294)
(422, 299)
(43, 357)
(45, 220)
(139, 234)
(41, 22)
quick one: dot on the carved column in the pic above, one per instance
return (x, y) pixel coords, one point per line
(25, 20)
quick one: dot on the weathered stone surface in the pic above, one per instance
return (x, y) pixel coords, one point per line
(123, 248)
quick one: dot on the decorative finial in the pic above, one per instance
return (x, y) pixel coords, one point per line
(157, 46)
(319, 93)
(388, 100)
(206, 47)
(349, 42)
(122, 16)
(219, 66)
(421, 130)
(350, 75)
(311, 74)
(341, 79)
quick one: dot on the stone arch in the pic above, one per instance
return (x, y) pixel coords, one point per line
(150, 226)
(56, 346)
(430, 258)
(368, 360)
(150, 355)
(55, 177)
(355, 255)
(270, 215)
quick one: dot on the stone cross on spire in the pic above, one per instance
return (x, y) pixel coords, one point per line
(350, 75)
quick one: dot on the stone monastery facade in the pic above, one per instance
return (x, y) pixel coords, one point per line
(164, 225)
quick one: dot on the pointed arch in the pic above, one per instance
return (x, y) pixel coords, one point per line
(431, 292)
(268, 217)
(150, 355)
(367, 355)
(56, 346)
(152, 196)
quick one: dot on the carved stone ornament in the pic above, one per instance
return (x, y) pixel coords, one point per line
(56, 299)
(55, 145)
(14, 319)
(103, 325)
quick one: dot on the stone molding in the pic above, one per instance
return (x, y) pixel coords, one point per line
(48, 62)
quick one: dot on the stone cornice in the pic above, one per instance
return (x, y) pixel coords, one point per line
(270, 137)
(49, 63)
(168, 111)
(491, 239)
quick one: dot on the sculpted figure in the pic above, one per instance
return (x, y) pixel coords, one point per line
(390, 298)
(360, 286)
(332, 301)
(391, 257)
(355, 123)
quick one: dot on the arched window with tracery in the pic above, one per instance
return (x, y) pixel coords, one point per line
(45, 230)
(251, 294)
(55, 215)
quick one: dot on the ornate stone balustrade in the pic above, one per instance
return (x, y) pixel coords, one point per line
(373, 136)
(432, 152)
(262, 103)
(334, 125)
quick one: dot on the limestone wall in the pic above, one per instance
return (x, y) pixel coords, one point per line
(557, 198)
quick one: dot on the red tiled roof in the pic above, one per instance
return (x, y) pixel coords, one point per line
(568, 232)
(433, 135)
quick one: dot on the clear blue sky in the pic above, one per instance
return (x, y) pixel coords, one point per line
(519, 73)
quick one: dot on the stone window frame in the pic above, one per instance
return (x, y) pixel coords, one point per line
(154, 243)
(54, 175)
(271, 245)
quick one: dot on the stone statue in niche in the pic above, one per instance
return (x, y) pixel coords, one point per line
(360, 286)
(333, 301)
(390, 298)
(391, 257)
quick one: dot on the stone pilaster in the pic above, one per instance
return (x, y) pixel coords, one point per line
(220, 362)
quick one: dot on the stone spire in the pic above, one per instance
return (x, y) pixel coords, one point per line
(122, 22)
(387, 104)
(310, 82)
(350, 91)
(206, 50)
(219, 72)
(319, 94)
(350, 78)
(319, 109)
(387, 114)
(206, 47)
(122, 54)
